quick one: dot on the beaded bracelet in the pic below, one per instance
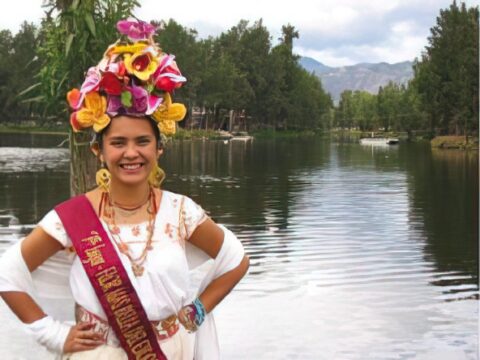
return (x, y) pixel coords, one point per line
(200, 312)
(192, 315)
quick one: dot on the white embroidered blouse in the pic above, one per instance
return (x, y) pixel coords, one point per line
(164, 286)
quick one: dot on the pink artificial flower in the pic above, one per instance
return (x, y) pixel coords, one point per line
(136, 30)
(92, 80)
(91, 83)
(140, 100)
(114, 105)
(118, 68)
(153, 103)
(167, 76)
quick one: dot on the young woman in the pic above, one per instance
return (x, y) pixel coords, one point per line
(134, 244)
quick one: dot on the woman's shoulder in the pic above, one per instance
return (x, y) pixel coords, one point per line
(170, 199)
(177, 199)
(174, 197)
(53, 226)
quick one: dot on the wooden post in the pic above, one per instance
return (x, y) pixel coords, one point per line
(83, 164)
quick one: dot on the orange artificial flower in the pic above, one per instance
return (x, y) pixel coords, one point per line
(73, 98)
(93, 114)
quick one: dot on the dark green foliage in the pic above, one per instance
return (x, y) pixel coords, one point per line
(18, 61)
(394, 108)
(446, 77)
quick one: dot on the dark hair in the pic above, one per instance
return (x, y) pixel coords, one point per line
(98, 137)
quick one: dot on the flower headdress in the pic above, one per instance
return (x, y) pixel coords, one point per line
(134, 78)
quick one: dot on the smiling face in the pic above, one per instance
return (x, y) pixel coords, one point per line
(129, 150)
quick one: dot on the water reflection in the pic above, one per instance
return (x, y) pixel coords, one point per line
(366, 248)
(32, 181)
(445, 193)
(33, 140)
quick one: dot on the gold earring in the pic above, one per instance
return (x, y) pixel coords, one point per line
(156, 177)
(103, 178)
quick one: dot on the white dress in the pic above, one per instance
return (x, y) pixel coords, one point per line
(175, 273)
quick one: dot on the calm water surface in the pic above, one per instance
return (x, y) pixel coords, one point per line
(356, 252)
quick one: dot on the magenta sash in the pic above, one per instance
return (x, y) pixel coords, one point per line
(109, 279)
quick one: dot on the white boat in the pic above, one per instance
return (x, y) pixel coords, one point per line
(379, 141)
(243, 138)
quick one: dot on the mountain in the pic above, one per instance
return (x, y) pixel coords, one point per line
(363, 76)
(312, 65)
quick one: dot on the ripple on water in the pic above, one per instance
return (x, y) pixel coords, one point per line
(14, 160)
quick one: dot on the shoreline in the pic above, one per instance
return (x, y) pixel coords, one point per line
(454, 142)
(445, 142)
(181, 134)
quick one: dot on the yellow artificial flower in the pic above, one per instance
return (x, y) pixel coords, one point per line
(131, 49)
(141, 64)
(167, 127)
(167, 114)
(94, 112)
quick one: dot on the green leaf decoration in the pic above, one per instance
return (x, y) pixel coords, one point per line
(126, 98)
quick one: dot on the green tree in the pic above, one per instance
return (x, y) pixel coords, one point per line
(411, 115)
(18, 61)
(426, 84)
(345, 113)
(388, 105)
(6, 64)
(307, 105)
(289, 33)
(446, 77)
(364, 109)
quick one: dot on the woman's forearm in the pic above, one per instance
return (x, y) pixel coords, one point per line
(221, 286)
(22, 304)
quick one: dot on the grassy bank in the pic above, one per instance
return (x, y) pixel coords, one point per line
(454, 142)
(262, 134)
(187, 134)
(267, 134)
(368, 134)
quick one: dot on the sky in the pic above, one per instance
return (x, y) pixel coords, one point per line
(334, 32)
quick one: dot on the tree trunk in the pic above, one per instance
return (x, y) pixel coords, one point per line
(230, 121)
(83, 163)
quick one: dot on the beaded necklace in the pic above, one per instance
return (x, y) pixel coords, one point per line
(108, 206)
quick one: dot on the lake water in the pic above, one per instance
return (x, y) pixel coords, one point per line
(356, 252)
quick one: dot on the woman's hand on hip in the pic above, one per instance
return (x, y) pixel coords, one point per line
(82, 337)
